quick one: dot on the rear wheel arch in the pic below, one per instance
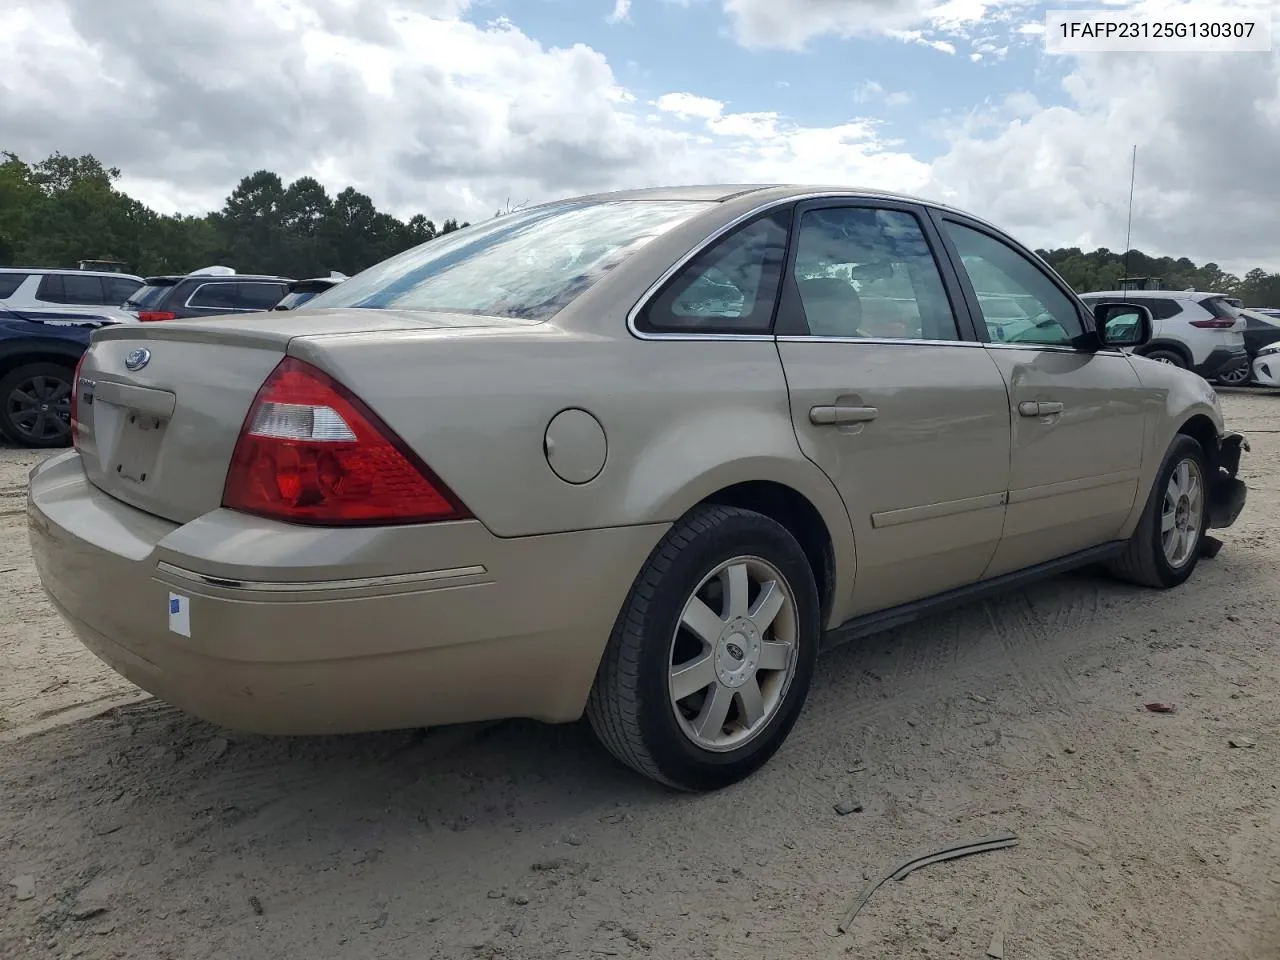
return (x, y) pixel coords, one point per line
(1170, 346)
(793, 510)
(795, 494)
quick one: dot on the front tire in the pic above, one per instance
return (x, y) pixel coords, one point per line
(712, 656)
(1165, 548)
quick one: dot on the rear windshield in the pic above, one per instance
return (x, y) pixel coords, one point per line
(527, 265)
(292, 301)
(1220, 307)
(148, 295)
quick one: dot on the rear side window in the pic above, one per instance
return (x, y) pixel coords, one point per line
(730, 287)
(10, 282)
(522, 266)
(72, 288)
(1162, 308)
(119, 289)
(1220, 307)
(867, 272)
(260, 296)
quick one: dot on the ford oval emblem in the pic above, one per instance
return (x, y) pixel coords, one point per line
(137, 359)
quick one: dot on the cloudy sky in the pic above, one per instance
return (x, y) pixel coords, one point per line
(454, 107)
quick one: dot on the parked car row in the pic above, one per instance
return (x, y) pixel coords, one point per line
(47, 317)
(1210, 333)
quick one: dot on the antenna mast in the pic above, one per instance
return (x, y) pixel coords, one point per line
(1128, 234)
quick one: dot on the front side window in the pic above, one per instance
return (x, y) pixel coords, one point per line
(522, 266)
(1000, 274)
(730, 287)
(867, 272)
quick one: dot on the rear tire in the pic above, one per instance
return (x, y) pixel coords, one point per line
(35, 405)
(699, 709)
(1165, 548)
(1239, 377)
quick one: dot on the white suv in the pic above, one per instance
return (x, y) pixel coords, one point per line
(1203, 332)
(69, 296)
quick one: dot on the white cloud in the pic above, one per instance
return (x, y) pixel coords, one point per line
(621, 12)
(790, 24)
(1207, 128)
(343, 90)
(871, 91)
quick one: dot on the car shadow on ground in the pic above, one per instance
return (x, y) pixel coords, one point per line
(148, 764)
(181, 826)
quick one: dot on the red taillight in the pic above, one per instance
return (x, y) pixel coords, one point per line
(152, 316)
(311, 452)
(1216, 323)
(75, 402)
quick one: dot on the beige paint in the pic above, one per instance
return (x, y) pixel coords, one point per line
(1073, 476)
(472, 644)
(298, 629)
(924, 480)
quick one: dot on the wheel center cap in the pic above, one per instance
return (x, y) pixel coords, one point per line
(44, 408)
(1182, 516)
(737, 652)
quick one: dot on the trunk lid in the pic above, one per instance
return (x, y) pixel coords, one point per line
(160, 406)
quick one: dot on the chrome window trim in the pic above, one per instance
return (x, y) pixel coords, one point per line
(1056, 348)
(894, 341)
(719, 234)
(304, 586)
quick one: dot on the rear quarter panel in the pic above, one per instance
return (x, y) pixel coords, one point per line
(683, 420)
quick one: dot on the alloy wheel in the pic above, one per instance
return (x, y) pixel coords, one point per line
(39, 408)
(1182, 513)
(733, 655)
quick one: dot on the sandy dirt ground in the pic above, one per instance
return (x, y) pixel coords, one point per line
(142, 833)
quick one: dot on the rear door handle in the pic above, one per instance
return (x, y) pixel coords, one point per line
(842, 414)
(1039, 408)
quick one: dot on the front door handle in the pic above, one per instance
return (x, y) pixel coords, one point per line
(838, 413)
(1039, 408)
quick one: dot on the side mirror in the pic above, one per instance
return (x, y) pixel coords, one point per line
(1122, 325)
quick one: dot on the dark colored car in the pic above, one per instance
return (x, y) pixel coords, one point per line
(300, 291)
(205, 295)
(1262, 328)
(37, 369)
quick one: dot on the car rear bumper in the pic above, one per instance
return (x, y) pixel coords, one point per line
(1222, 360)
(1227, 492)
(479, 628)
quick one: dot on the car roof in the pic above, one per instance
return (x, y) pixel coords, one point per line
(1164, 294)
(768, 192)
(68, 271)
(172, 278)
